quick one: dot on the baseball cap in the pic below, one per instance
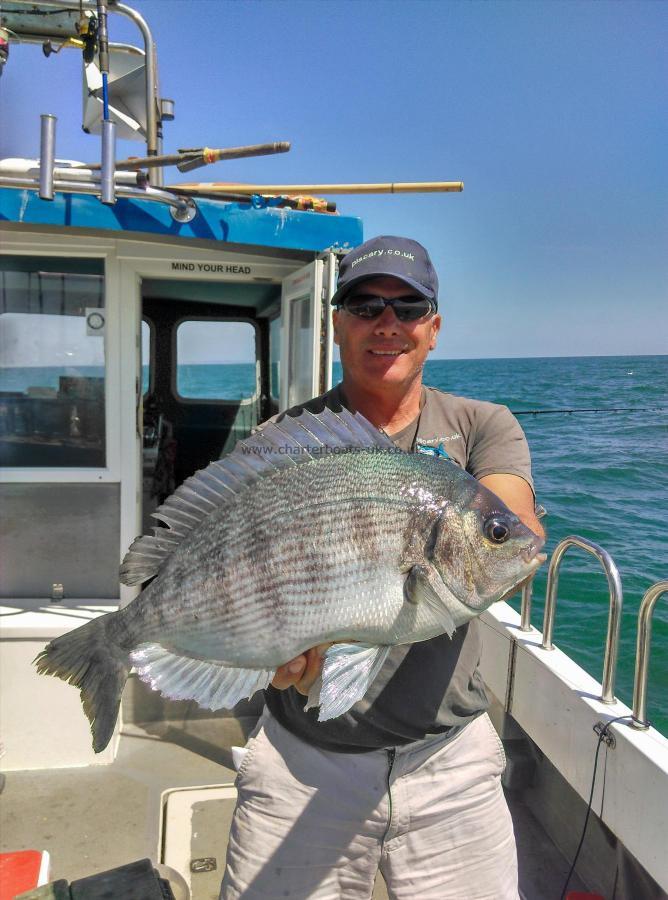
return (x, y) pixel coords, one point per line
(399, 257)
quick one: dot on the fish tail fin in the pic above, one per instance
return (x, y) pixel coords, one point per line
(90, 660)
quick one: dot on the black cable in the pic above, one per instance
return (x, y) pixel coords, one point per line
(601, 736)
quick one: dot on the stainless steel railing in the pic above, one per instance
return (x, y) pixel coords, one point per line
(182, 209)
(642, 653)
(525, 608)
(527, 589)
(615, 608)
(644, 638)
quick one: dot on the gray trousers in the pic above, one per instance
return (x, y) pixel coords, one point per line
(314, 824)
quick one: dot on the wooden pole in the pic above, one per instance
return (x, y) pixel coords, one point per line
(393, 187)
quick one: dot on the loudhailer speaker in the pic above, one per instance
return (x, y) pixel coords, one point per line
(127, 96)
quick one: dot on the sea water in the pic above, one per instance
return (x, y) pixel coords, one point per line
(600, 474)
(598, 432)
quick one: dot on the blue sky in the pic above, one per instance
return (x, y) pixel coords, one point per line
(552, 113)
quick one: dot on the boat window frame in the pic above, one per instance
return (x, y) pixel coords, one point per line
(276, 317)
(43, 248)
(238, 402)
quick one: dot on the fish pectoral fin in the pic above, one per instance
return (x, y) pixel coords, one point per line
(313, 698)
(424, 585)
(347, 672)
(211, 684)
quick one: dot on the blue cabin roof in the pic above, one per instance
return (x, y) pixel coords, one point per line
(256, 223)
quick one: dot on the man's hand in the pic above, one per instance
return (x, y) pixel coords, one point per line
(302, 671)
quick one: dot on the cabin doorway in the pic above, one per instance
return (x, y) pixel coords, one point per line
(209, 373)
(218, 358)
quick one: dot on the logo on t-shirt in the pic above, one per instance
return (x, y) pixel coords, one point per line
(437, 450)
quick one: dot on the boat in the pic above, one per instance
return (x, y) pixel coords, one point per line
(107, 280)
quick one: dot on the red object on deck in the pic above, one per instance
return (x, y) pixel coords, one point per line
(22, 871)
(583, 895)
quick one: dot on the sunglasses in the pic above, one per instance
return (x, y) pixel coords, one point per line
(406, 309)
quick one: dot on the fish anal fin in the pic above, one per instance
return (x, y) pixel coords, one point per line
(211, 684)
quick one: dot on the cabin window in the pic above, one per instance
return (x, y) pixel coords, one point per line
(52, 362)
(216, 360)
(147, 341)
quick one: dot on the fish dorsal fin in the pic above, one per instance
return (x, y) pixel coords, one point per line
(277, 445)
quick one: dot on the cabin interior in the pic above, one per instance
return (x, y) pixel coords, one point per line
(192, 416)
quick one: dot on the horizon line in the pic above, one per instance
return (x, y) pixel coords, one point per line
(337, 361)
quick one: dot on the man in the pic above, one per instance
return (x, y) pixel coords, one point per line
(407, 781)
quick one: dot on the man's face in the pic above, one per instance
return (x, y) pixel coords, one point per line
(383, 350)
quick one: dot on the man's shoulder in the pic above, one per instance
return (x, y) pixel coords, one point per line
(474, 420)
(485, 438)
(454, 403)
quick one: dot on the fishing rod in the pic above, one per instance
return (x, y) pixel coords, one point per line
(582, 409)
(192, 158)
(294, 201)
(390, 187)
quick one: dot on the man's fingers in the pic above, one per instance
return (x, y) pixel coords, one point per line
(290, 673)
(302, 671)
(311, 672)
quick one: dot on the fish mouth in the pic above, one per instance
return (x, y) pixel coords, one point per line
(534, 561)
(532, 557)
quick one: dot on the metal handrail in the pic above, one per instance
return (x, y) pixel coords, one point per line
(527, 588)
(182, 209)
(642, 653)
(525, 608)
(614, 616)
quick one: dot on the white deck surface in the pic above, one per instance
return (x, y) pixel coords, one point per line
(96, 818)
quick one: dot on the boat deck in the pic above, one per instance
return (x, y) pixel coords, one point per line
(96, 818)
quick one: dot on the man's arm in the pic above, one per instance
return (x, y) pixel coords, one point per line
(518, 497)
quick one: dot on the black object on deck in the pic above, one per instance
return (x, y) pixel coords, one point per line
(133, 881)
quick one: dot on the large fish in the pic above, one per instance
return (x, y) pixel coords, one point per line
(315, 529)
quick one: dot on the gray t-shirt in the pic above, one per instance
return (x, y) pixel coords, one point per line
(434, 686)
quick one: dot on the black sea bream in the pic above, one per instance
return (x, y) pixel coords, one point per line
(315, 529)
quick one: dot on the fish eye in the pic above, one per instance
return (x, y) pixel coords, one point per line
(497, 530)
